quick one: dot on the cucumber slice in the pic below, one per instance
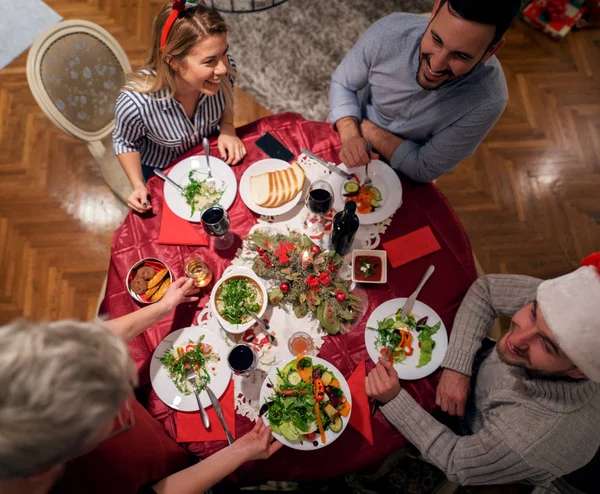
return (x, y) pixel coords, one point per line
(326, 378)
(336, 424)
(375, 203)
(294, 378)
(351, 187)
(376, 193)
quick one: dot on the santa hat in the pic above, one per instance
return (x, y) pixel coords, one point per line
(571, 307)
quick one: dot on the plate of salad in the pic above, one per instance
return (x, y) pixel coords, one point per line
(184, 350)
(191, 174)
(306, 402)
(416, 343)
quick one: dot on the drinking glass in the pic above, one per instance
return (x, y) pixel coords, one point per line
(196, 269)
(320, 197)
(242, 359)
(215, 222)
(301, 343)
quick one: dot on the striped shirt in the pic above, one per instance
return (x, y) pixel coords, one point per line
(157, 126)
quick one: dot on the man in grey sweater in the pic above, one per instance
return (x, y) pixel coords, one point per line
(534, 411)
(425, 94)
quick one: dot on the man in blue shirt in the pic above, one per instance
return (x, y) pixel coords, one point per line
(424, 93)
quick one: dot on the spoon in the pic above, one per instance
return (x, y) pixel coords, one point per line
(206, 147)
(260, 322)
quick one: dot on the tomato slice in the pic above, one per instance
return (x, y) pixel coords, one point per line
(189, 348)
(206, 348)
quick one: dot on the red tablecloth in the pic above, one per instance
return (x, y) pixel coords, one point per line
(423, 204)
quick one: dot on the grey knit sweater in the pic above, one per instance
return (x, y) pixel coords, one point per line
(520, 428)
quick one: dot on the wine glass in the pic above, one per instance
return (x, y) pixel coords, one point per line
(197, 270)
(320, 197)
(242, 359)
(215, 222)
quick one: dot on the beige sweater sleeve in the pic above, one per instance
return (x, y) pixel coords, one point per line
(489, 298)
(482, 458)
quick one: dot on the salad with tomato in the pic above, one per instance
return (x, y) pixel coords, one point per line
(196, 356)
(308, 401)
(397, 341)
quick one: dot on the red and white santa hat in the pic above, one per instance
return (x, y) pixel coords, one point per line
(571, 306)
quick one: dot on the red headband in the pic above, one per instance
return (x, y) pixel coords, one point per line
(178, 8)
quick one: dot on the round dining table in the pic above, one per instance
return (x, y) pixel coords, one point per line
(422, 205)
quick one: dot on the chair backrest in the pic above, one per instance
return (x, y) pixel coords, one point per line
(75, 70)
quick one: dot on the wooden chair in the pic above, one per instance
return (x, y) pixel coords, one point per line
(75, 70)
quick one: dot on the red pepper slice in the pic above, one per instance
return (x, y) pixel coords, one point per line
(319, 390)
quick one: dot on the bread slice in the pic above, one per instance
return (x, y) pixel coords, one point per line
(299, 173)
(259, 188)
(289, 183)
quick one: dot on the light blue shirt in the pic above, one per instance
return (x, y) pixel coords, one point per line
(157, 126)
(377, 81)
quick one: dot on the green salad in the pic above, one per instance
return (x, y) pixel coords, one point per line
(196, 356)
(236, 295)
(308, 401)
(396, 337)
(199, 194)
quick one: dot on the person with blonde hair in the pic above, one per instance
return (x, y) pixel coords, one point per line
(183, 93)
(66, 387)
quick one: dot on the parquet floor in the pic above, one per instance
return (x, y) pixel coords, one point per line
(528, 199)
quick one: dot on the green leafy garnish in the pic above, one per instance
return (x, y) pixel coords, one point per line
(238, 295)
(427, 343)
(199, 195)
(181, 360)
(369, 268)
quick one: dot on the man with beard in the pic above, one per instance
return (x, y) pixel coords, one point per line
(425, 94)
(534, 410)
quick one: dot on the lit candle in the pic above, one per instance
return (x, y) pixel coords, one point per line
(305, 259)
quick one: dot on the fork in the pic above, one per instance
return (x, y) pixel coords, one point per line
(206, 147)
(368, 180)
(191, 378)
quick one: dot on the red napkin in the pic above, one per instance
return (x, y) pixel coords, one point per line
(360, 418)
(191, 430)
(177, 231)
(411, 246)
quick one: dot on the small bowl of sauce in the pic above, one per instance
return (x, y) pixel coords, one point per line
(369, 266)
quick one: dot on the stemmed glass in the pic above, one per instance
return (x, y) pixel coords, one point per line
(320, 197)
(215, 222)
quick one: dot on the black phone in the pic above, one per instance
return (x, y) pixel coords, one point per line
(273, 148)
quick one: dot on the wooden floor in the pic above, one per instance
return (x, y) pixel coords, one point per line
(529, 199)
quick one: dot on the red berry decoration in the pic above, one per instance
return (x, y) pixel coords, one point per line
(315, 248)
(340, 297)
(260, 251)
(284, 287)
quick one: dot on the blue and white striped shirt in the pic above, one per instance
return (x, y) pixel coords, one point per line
(157, 126)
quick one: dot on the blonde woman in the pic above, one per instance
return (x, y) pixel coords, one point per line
(64, 383)
(183, 93)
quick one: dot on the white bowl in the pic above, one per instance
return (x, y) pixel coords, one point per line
(139, 265)
(237, 272)
(380, 254)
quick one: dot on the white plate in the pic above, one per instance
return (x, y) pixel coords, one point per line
(222, 172)
(330, 436)
(263, 166)
(384, 178)
(237, 271)
(408, 369)
(161, 380)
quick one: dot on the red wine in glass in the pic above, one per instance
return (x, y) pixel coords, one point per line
(320, 197)
(242, 359)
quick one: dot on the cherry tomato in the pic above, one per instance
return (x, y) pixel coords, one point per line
(315, 248)
(284, 287)
(189, 348)
(206, 348)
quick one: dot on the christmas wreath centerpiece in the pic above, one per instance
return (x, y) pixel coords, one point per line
(305, 277)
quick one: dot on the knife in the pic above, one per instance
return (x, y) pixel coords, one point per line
(413, 297)
(217, 406)
(330, 167)
(164, 177)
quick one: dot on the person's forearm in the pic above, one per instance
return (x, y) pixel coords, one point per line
(227, 119)
(384, 142)
(132, 164)
(490, 297)
(202, 476)
(478, 459)
(348, 127)
(127, 327)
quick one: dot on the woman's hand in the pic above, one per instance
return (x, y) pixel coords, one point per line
(231, 147)
(258, 444)
(180, 292)
(138, 199)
